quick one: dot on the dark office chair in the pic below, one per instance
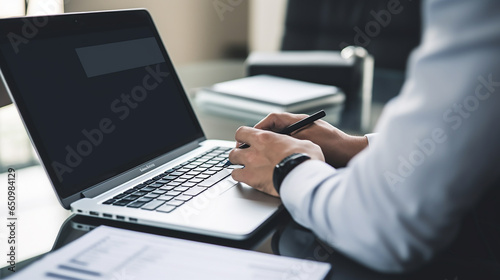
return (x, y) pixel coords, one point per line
(388, 31)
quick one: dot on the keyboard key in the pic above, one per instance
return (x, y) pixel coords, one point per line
(194, 191)
(153, 205)
(187, 177)
(129, 191)
(140, 186)
(175, 202)
(165, 197)
(174, 193)
(202, 176)
(157, 177)
(214, 179)
(149, 182)
(155, 185)
(173, 184)
(148, 189)
(166, 208)
(145, 199)
(188, 184)
(170, 177)
(166, 188)
(208, 172)
(130, 198)
(109, 201)
(183, 197)
(215, 168)
(179, 180)
(158, 191)
(120, 196)
(199, 169)
(136, 204)
(133, 196)
(152, 195)
(181, 189)
(162, 181)
(121, 203)
(195, 180)
(140, 193)
(176, 173)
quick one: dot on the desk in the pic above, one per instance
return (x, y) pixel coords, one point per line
(44, 224)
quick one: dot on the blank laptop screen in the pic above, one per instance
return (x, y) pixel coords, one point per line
(99, 97)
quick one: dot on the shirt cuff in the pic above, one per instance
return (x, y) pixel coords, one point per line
(300, 183)
(370, 137)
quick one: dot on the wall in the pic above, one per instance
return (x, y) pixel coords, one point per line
(267, 20)
(193, 30)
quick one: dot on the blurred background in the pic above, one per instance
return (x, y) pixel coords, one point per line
(205, 37)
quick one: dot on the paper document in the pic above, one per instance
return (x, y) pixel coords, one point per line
(118, 254)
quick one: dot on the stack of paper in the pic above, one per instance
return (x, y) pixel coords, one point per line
(260, 95)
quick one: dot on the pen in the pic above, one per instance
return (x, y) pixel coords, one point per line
(291, 128)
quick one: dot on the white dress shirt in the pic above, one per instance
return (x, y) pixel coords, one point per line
(401, 200)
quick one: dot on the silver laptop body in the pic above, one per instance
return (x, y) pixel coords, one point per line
(109, 118)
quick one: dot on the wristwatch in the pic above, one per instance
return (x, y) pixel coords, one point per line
(285, 166)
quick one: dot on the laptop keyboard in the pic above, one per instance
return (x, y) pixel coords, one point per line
(167, 191)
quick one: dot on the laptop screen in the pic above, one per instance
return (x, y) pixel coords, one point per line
(97, 92)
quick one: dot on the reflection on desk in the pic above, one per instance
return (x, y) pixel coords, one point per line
(282, 236)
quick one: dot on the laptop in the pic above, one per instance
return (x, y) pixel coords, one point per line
(113, 127)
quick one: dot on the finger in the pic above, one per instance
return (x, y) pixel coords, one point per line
(303, 133)
(241, 175)
(278, 121)
(275, 121)
(237, 156)
(245, 134)
(268, 123)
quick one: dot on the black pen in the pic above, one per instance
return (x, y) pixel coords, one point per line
(291, 128)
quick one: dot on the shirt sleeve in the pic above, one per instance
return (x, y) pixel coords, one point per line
(399, 202)
(370, 137)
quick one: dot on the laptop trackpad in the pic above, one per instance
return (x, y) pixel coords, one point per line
(242, 190)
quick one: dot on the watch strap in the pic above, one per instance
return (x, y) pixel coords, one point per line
(285, 166)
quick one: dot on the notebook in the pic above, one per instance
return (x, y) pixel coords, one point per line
(260, 95)
(114, 130)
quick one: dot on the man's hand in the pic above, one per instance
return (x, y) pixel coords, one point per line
(266, 150)
(338, 148)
